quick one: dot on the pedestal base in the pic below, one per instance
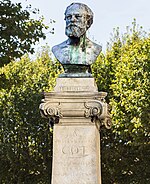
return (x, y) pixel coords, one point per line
(77, 110)
(76, 155)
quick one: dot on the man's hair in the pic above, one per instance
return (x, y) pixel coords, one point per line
(88, 12)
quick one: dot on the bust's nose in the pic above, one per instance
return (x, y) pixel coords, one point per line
(73, 18)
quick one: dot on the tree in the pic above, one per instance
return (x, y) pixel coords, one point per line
(26, 138)
(18, 32)
(124, 73)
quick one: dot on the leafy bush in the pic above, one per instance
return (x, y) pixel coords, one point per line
(25, 137)
(124, 73)
(18, 32)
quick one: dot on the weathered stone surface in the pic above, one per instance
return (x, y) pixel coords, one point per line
(76, 155)
(77, 111)
(75, 85)
(75, 108)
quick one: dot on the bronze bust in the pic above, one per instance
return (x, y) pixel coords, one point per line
(77, 53)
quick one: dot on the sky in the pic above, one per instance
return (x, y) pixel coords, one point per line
(108, 14)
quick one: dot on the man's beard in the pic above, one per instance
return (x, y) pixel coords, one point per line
(75, 31)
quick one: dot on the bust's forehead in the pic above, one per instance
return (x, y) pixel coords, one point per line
(75, 9)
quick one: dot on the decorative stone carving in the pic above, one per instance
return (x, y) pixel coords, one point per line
(105, 117)
(77, 116)
(70, 107)
(51, 111)
(99, 112)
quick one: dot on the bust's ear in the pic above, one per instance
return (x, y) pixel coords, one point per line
(89, 21)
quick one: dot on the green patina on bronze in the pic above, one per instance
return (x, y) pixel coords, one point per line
(78, 52)
(74, 52)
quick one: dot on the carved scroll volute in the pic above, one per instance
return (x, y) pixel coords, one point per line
(105, 117)
(93, 108)
(50, 110)
(99, 112)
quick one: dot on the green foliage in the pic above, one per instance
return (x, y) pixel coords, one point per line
(26, 139)
(18, 32)
(124, 73)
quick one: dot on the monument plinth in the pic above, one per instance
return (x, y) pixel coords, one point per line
(78, 111)
(76, 155)
(75, 108)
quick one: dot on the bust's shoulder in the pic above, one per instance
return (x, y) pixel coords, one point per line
(60, 51)
(59, 47)
(94, 47)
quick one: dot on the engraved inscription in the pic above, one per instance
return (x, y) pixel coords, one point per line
(74, 88)
(74, 151)
(78, 182)
(72, 163)
(76, 155)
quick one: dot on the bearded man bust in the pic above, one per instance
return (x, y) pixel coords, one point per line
(77, 53)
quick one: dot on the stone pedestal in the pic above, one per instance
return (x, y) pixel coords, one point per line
(76, 155)
(78, 111)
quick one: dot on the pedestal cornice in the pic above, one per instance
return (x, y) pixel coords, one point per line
(76, 107)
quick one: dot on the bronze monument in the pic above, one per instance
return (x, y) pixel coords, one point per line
(77, 53)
